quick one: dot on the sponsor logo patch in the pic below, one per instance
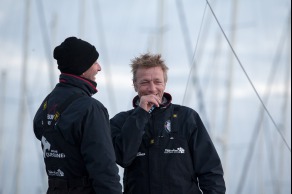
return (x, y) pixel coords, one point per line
(48, 153)
(167, 126)
(179, 150)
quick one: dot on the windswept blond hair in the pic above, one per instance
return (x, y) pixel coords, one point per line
(147, 61)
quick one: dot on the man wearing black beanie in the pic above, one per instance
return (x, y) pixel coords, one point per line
(74, 128)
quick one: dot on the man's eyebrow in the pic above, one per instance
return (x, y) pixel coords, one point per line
(144, 80)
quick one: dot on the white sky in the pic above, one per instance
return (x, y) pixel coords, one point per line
(121, 30)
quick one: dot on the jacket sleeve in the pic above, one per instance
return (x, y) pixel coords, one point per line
(37, 124)
(206, 161)
(97, 151)
(127, 132)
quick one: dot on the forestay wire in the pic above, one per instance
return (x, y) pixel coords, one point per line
(243, 69)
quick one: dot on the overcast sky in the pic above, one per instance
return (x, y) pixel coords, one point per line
(181, 30)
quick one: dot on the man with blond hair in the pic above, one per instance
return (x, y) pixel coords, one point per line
(164, 148)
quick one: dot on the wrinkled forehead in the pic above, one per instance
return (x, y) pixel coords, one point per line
(150, 73)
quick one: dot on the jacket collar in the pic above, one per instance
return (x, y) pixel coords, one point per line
(85, 84)
(166, 100)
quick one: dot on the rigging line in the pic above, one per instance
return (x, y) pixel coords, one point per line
(199, 36)
(194, 54)
(192, 59)
(243, 69)
(260, 118)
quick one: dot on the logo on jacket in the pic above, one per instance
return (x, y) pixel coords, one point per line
(179, 150)
(56, 173)
(50, 117)
(46, 145)
(167, 126)
(48, 153)
(139, 154)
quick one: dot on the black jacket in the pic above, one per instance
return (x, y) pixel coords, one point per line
(80, 144)
(166, 152)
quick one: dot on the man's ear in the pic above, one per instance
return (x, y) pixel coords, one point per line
(135, 87)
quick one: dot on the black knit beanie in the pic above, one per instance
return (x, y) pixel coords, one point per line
(75, 56)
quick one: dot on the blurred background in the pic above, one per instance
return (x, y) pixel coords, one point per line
(230, 60)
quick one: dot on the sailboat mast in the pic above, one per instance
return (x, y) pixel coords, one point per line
(82, 18)
(107, 66)
(160, 20)
(285, 106)
(23, 96)
(2, 102)
(226, 124)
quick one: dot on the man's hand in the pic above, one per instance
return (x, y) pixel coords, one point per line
(146, 102)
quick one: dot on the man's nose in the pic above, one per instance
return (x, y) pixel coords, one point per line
(151, 87)
(98, 67)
